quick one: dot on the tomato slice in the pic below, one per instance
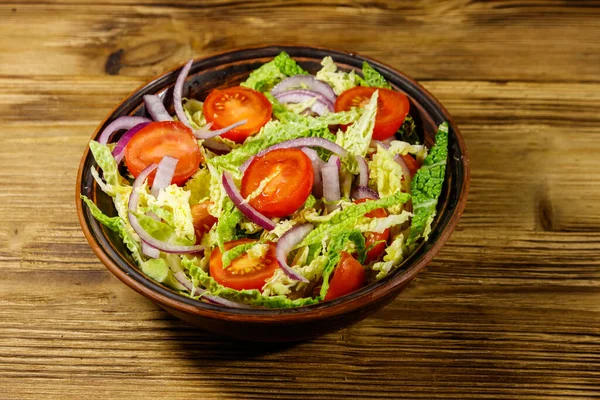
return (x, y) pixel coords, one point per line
(202, 219)
(375, 242)
(348, 276)
(231, 105)
(289, 180)
(243, 272)
(159, 139)
(411, 163)
(392, 108)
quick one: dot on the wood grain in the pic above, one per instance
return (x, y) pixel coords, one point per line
(509, 309)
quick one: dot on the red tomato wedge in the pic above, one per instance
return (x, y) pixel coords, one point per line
(202, 219)
(159, 139)
(243, 272)
(411, 163)
(376, 242)
(348, 276)
(231, 105)
(288, 176)
(392, 108)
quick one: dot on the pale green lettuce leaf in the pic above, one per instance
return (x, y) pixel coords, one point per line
(385, 173)
(158, 269)
(173, 206)
(378, 225)
(117, 225)
(281, 285)
(199, 186)
(394, 254)
(340, 81)
(373, 78)
(271, 73)
(227, 223)
(193, 111)
(358, 136)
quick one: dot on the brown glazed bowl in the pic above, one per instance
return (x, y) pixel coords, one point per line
(229, 69)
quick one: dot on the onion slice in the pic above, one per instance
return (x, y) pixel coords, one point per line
(363, 179)
(156, 108)
(286, 243)
(126, 122)
(300, 142)
(216, 146)
(405, 171)
(331, 182)
(150, 251)
(204, 294)
(317, 164)
(178, 93)
(135, 224)
(164, 174)
(246, 209)
(363, 192)
(119, 150)
(206, 133)
(321, 106)
(305, 81)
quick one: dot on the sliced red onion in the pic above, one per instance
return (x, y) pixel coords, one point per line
(207, 133)
(164, 174)
(204, 294)
(363, 192)
(321, 106)
(331, 182)
(216, 146)
(286, 243)
(305, 81)
(375, 143)
(317, 164)
(178, 93)
(119, 150)
(156, 108)
(405, 171)
(139, 181)
(159, 244)
(150, 251)
(126, 122)
(246, 209)
(363, 179)
(300, 142)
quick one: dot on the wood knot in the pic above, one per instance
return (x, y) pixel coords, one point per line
(113, 63)
(545, 213)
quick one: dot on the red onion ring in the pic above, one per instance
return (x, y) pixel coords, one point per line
(204, 294)
(139, 181)
(164, 174)
(206, 133)
(286, 243)
(178, 93)
(317, 164)
(363, 192)
(126, 122)
(150, 251)
(321, 106)
(363, 179)
(308, 81)
(405, 171)
(246, 209)
(119, 150)
(300, 142)
(331, 182)
(215, 146)
(156, 108)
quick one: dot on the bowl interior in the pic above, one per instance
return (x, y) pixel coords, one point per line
(231, 68)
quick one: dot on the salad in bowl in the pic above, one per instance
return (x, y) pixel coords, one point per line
(288, 190)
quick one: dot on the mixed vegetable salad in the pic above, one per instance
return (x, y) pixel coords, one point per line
(288, 190)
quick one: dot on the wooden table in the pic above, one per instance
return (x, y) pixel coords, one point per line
(509, 309)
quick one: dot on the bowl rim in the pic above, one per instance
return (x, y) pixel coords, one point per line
(345, 304)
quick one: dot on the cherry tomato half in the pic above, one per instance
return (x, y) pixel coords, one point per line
(159, 139)
(202, 219)
(376, 242)
(290, 180)
(392, 108)
(231, 105)
(243, 272)
(348, 276)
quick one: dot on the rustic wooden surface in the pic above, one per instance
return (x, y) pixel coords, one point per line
(509, 309)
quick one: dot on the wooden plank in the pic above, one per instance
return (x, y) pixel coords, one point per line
(457, 40)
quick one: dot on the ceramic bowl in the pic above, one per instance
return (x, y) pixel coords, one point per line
(228, 69)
